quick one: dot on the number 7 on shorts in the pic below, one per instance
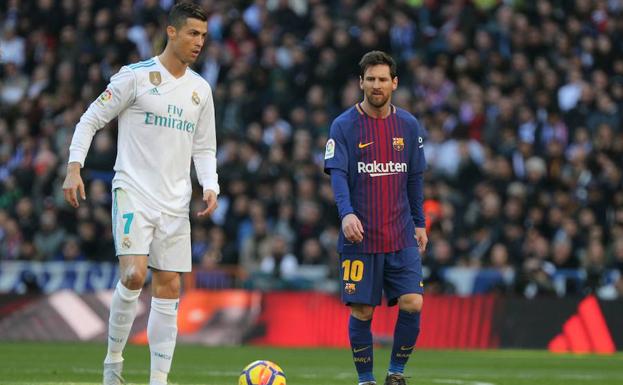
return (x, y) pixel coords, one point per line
(128, 222)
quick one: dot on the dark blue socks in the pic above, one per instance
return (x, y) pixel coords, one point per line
(360, 335)
(405, 335)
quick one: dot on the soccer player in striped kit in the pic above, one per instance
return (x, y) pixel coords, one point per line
(375, 157)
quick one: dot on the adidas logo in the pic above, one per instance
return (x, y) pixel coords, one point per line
(584, 332)
(154, 91)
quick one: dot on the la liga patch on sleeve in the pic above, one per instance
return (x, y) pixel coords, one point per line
(104, 97)
(330, 149)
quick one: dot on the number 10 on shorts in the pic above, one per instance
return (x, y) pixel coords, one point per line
(353, 270)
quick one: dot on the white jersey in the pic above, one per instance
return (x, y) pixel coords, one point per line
(163, 122)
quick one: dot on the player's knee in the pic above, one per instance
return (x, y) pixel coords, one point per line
(166, 285)
(174, 287)
(362, 312)
(412, 303)
(133, 278)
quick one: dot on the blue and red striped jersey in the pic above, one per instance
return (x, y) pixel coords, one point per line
(379, 156)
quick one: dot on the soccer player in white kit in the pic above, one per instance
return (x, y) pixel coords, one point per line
(166, 118)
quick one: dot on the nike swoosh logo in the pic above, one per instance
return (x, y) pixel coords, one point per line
(360, 349)
(407, 347)
(364, 145)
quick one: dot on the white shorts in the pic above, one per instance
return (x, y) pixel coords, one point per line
(142, 230)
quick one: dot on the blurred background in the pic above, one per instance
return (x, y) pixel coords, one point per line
(522, 101)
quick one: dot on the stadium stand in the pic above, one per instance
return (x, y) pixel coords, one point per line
(522, 101)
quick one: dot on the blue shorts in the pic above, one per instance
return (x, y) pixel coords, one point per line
(365, 276)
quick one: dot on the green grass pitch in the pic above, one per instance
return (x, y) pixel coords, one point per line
(75, 363)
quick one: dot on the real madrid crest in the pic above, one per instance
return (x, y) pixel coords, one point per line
(126, 243)
(155, 78)
(399, 144)
(195, 98)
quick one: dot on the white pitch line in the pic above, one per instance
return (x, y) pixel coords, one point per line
(51, 383)
(460, 382)
(207, 373)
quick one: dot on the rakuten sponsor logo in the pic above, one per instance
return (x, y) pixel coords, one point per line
(381, 169)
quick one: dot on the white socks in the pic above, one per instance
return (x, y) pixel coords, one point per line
(162, 333)
(161, 330)
(122, 313)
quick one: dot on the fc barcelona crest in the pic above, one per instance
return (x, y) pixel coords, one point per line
(155, 78)
(350, 288)
(195, 98)
(399, 144)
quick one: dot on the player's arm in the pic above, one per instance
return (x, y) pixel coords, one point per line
(351, 225)
(204, 156)
(415, 189)
(118, 95)
(336, 164)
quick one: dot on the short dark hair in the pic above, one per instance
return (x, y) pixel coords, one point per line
(374, 58)
(184, 10)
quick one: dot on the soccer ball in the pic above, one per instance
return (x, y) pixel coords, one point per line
(262, 373)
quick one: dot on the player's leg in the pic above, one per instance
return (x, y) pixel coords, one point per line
(405, 336)
(132, 272)
(403, 285)
(162, 324)
(362, 280)
(169, 257)
(132, 234)
(361, 341)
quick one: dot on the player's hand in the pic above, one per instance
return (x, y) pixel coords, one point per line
(352, 228)
(421, 238)
(73, 182)
(209, 197)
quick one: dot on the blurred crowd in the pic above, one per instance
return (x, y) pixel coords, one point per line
(522, 100)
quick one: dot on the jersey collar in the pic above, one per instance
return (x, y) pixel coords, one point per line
(392, 110)
(167, 74)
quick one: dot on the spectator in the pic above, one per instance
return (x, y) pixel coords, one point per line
(313, 253)
(50, 237)
(71, 250)
(278, 268)
(279, 262)
(12, 46)
(13, 87)
(11, 240)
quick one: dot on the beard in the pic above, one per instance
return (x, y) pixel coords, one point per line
(191, 60)
(377, 101)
